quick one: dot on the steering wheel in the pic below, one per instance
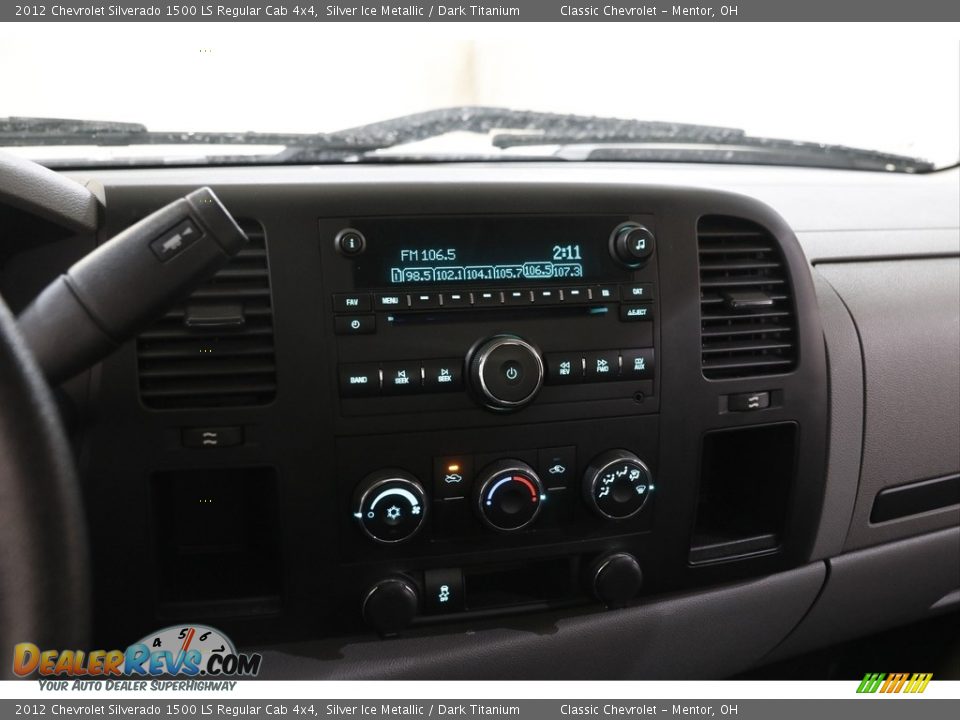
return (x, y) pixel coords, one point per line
(44, 567)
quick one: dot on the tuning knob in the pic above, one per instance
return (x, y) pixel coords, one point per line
(506, 372)
(632, 244)
(390, 605)
(615, 579)
(616, 484)
(508, 495)
(390, 506)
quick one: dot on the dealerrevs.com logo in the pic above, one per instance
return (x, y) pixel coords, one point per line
(894, 683)
(180, 650)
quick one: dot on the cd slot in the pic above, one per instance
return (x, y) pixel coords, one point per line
(479, 314)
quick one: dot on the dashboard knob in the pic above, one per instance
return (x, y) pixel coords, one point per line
(632, 244)
(390, 605)
(390, 506)
(616, 484)
(616, 579)
(508, 495)
(506, 372)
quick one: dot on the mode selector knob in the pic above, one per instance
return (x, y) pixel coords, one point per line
(616, 484)
(508, 496)
(390, 506)
(506, 372)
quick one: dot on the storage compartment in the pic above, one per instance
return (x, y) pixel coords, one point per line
(522, 583)
(217, 540)
(745, 480)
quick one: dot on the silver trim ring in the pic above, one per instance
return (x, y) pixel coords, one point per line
(596, 476)
(418, 490)
(527, 471)
(495, 344)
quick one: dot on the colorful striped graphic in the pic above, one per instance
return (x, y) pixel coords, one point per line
(894, 682)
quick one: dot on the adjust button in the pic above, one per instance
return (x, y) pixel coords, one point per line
(442, 375)
(746, 402)
(401, 377)
(384, 302)
(355, 324)
(557, 466)
(636, 292)
(351, 302)
(564, 368)
(599, 366)
(359, 380)
(639, 311)
(212, 437)
(637, 364)
(443, 591)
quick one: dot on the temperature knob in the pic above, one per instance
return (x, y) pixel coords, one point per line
(390, 506)
(617, 484)
(509, 495)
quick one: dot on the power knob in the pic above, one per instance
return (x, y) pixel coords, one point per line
(506, 372)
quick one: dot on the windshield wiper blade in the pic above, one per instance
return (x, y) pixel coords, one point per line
(37, 131)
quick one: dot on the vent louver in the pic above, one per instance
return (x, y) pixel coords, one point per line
(216, 348)
(747, 319)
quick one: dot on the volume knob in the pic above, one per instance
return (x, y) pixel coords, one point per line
(506, 372)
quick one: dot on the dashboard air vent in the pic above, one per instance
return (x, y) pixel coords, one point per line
(747, 319)
(216, 348)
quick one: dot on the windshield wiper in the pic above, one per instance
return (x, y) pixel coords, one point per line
(571, 137)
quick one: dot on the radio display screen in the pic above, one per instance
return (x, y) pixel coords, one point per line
(485, 251)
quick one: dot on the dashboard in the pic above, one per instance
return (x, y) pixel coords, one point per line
(467, 420)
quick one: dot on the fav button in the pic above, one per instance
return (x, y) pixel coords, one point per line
(351, 302)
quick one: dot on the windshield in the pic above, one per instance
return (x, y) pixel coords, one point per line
(838, 96)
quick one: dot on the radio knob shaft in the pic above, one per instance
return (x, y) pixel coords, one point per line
(508, 495)
(506, 372)
(616, 484)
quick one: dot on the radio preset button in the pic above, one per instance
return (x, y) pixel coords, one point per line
(564, 368)
(576, 295)
(401, 378)
(424, 300)
(384, 302)
(442, 375)
(637, 364)
(517, 297)
(547, 296)
(488, 297)
(600, 366)
(359, 380)
(355, 324)
(636, 312)
(456, 299)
